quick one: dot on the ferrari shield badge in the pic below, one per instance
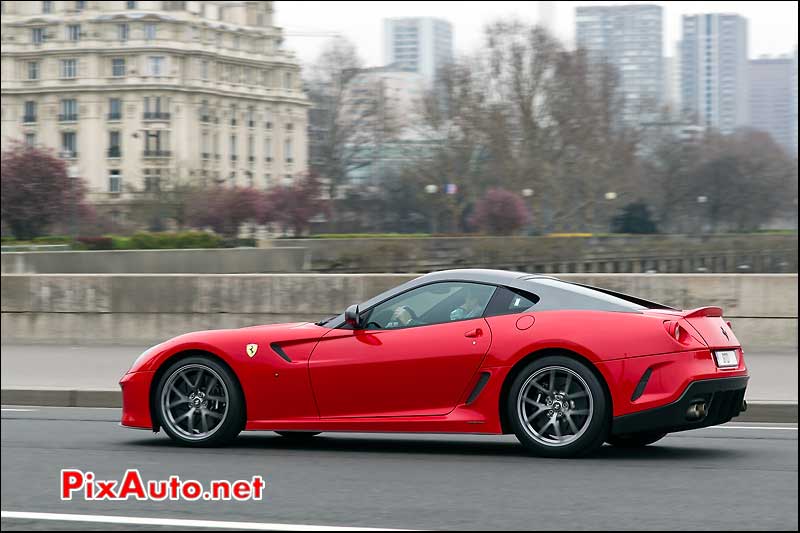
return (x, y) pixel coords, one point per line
(252, 349)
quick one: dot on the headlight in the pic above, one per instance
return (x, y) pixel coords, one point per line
(143, 357)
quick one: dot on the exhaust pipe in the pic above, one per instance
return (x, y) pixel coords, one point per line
(696, 411)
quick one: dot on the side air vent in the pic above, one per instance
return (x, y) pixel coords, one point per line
(278, 350)
(482, 380)
(639, 390)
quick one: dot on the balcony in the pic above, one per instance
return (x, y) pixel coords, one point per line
(155, 115)
(205, 118)
(206, 155)
(233, 158)
(115, 152)
(115, 116)
(68, 154)
(233, 122)
(157, 153)
(251, 159)
(251, 123)
(29, 119)
(68, 117)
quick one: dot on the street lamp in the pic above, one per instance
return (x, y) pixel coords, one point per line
(431, 190)
(702, 200)
(527, 193)
(73, 174)
(611, 195)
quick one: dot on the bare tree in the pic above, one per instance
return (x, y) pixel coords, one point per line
(345, 119)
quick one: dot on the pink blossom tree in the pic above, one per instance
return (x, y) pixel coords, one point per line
(500, 212)
(36, 192)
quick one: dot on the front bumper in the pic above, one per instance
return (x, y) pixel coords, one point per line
(723, 398)
(136, 399)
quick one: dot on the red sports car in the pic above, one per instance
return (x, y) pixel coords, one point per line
(565, 367)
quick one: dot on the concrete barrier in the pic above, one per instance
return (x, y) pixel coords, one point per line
(189, 261)
(715, 253)
(137, 308)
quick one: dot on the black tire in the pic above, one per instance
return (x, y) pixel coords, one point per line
(232, 421)
(594, 425)
(298, 435)
(635, 440)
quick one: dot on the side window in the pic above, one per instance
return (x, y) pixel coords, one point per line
(436, 303)
(510, 301)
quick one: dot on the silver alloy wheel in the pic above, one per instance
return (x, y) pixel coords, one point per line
(194, 402)
(558, 411)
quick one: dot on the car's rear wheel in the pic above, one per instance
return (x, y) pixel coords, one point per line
(635, 440)
(557, 408)
(298, 435)
(199, 402)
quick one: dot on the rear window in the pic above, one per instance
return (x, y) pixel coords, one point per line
(574, 296)
(510, 301)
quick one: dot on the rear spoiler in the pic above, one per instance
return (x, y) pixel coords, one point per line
(703, 311)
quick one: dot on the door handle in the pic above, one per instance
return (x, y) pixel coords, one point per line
(477, 332)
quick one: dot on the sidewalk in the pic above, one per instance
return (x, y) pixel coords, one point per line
(88, 376)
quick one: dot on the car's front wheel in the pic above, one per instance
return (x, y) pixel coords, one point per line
(557, 408)
(199, 402)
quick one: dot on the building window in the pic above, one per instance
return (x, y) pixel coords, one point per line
(156, 144)
(114, 109)
(47, 7)
(33, 70)
(69, 110)
(37, 35)
(268, 123)
(251, 117)
(251, 156)
(69, 68)
(150, 31)
(153, 108)
(123, 32)
(118, 67)
(114, 148)
(287, 80)
(268, 150)
(204, 69)
(80, 5)
(267, 180)
(234, 112)
(152, 179)
(287, 150)
(131, 5)
(155, 65)
(30, 139)
(115, 181)
(30, 112)
(233, 147)
(69, 144)
(237, 42)
(73, 32)
(204, 117)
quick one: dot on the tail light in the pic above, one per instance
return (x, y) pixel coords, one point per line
(678, 332)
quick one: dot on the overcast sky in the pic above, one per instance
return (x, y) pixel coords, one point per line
(773, 25)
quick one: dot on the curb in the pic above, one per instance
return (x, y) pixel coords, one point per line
(61, 397)
(757, 411)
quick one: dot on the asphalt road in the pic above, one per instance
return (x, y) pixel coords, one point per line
(728, 478)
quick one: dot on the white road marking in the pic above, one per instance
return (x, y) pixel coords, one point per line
(750, 427)
(17, 410)
(176, 522)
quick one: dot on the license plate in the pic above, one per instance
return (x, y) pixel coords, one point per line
(726, 358)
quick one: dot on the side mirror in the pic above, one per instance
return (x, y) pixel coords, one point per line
(351, 317)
